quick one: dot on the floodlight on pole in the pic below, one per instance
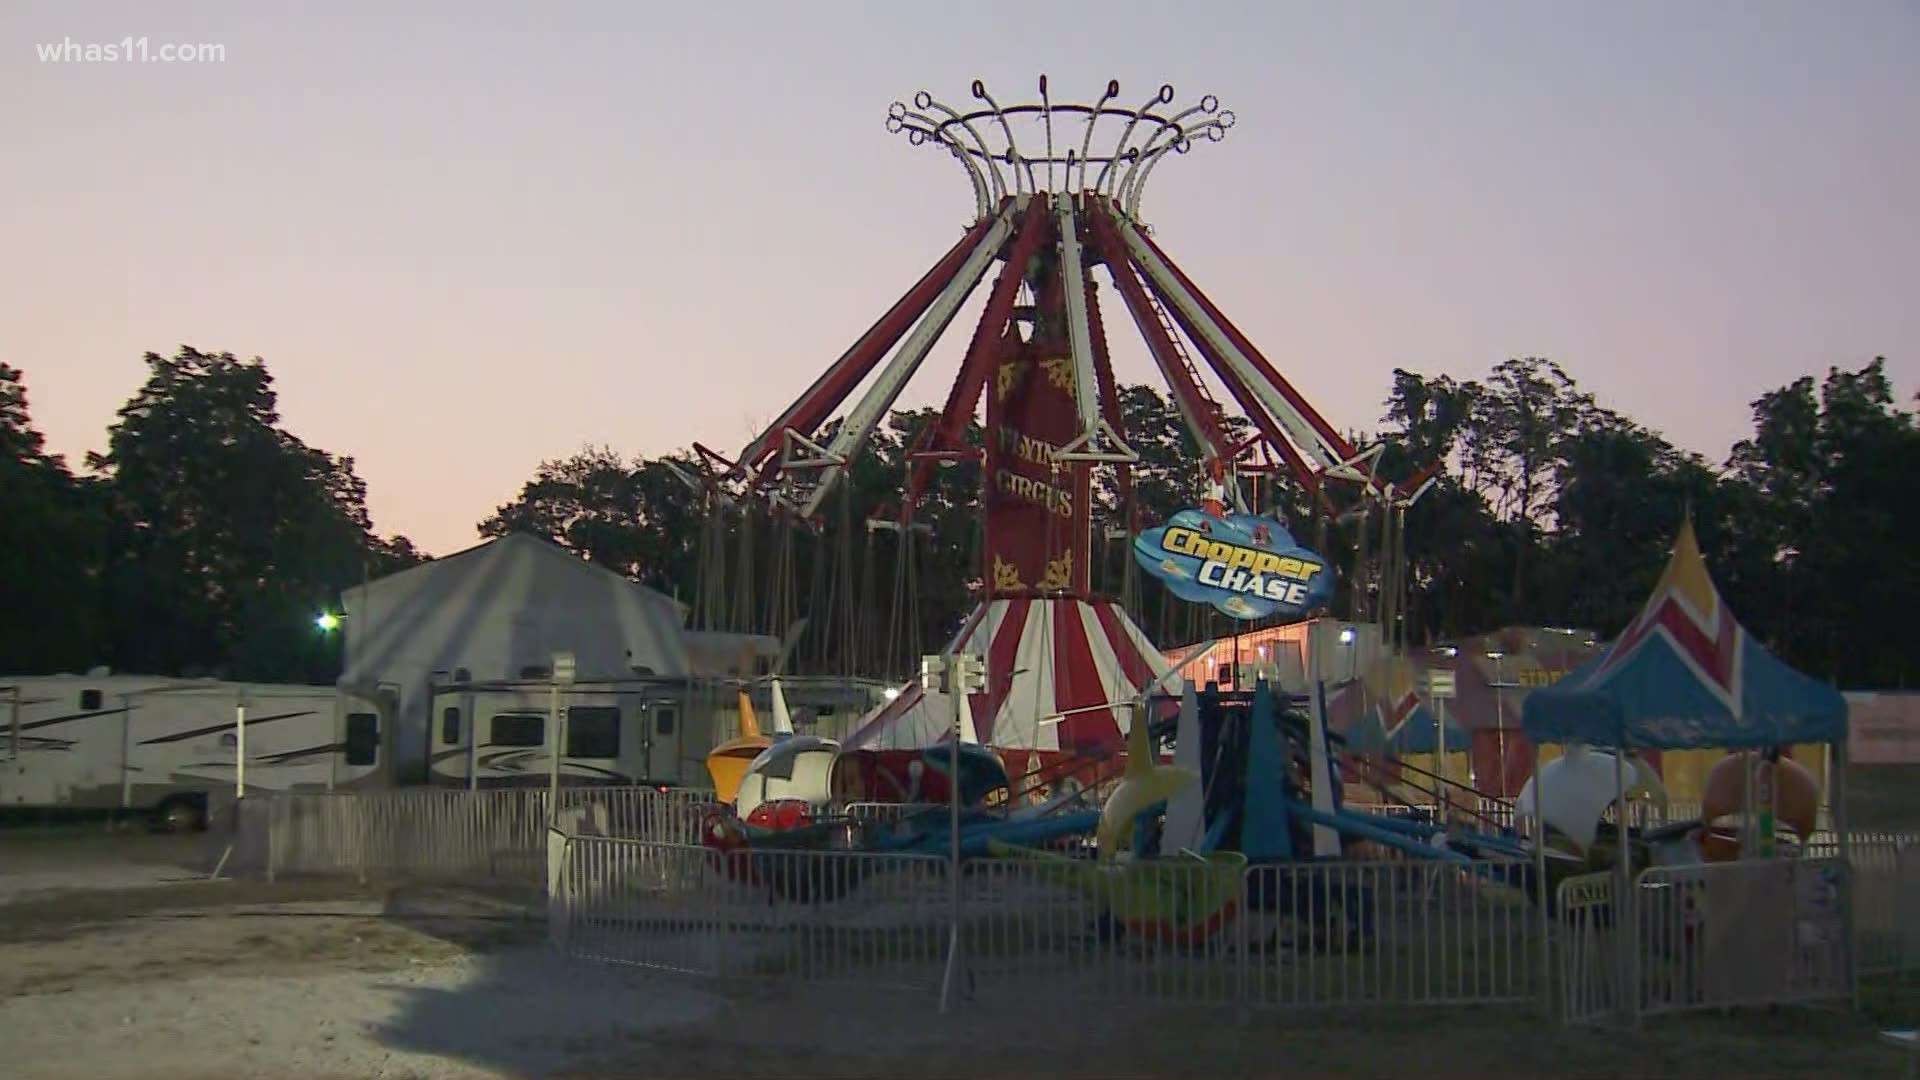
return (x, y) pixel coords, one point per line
(327, 622)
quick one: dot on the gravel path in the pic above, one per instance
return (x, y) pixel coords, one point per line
(507, 1014)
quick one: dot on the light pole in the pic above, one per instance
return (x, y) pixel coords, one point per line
(1499, 685)
(562, 675)
(957, 675)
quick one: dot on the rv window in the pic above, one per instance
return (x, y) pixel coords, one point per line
(363, 738)
(593, 731)
(450, 726)
(663, 722)
(517, 729)
(89, 700)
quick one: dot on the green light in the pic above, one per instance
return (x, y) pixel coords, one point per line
(327, 622)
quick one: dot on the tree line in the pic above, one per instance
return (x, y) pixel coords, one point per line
(203, 541)
(206, 536)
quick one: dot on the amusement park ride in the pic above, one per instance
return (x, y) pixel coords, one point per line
(1074, 694)
(1057, 190)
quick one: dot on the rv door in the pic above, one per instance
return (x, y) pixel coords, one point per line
(663, 727)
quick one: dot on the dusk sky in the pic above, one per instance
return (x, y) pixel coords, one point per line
(469, 236)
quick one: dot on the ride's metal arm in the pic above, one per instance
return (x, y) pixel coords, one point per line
(859, 423)
(985, 346)
(1109, 387)
(1270, 430)
(1073, 274)
(812, 408)
(1307, 428)
(1192, 402)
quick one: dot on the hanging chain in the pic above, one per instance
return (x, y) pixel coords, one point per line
(841, 614)
(896, 614)
(819, 598)
(710, 595)
(742, 618)
(870, 657)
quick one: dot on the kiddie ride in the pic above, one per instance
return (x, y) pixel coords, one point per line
(1170, 845)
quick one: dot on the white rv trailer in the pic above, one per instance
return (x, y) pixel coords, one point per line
(499, 734)
(626, 731)
(156, 745)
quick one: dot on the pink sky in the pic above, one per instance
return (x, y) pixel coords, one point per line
(466, 237)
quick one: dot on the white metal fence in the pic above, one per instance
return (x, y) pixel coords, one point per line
(1305, 935)
(1709, 936)
(810, 916)
(1588, 952)
(1488, 813)
(496, 834)
(1884, 897)
(630, 882)
(1757, 932)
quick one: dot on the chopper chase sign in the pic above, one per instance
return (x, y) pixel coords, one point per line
(1245, 566)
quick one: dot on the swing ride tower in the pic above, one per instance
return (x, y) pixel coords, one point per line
(1057, 191)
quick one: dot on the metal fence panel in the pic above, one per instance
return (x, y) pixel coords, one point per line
(428, 833)
(1589, 953)
(811, 917)
(630, 882)
(1401, 932)
(1156, 931)
(1755, 932)
(1195, 933)
(669, 816)
(1880, 896)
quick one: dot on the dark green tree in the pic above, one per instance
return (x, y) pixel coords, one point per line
(51, 532)
(636, 519)
(1508, 449)
(1620, 493)
(1831, 480)
(228, 533)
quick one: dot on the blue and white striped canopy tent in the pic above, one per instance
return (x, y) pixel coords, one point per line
(1685, 674)
(1415, 734)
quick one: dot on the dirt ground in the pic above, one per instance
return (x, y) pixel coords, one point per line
(118, 959)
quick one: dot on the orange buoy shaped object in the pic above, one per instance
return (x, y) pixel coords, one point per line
(1723, 805)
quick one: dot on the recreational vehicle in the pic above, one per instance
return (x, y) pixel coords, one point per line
(154, 745)
(625, 731)
(501, 734)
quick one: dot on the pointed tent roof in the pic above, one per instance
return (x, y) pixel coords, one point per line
(1369, 733)
(1684, 673)
(1383, 711)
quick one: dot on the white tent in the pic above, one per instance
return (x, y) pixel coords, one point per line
(499, 611)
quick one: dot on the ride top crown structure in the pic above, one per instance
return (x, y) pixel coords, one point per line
(1057, 189)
